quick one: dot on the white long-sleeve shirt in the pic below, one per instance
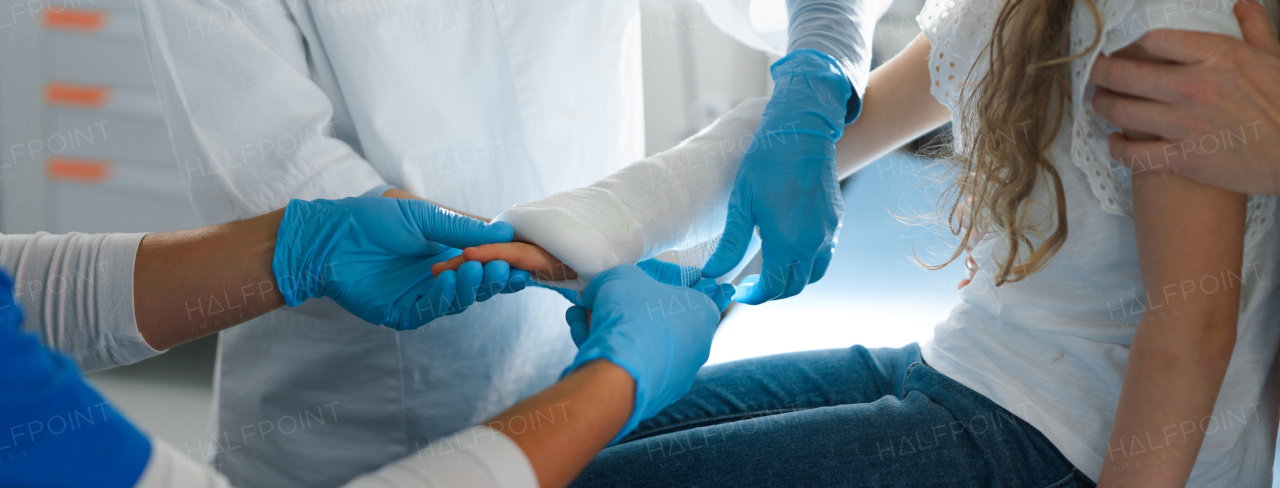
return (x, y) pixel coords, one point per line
(476, 457)
(77, 291)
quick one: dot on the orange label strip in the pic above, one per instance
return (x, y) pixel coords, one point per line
(58, 93)
(75, 170)
(80, 20)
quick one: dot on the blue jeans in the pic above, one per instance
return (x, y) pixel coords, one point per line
(840, 417)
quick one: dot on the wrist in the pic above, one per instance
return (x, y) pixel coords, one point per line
(304, 234)
(598, 359)
(265, 234)
(378, 191)
(816, 81)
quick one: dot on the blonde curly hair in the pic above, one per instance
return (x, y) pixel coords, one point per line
(1011, 116)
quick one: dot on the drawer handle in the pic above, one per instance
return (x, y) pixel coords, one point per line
(81, 20)
(76, 170)
(58, 93)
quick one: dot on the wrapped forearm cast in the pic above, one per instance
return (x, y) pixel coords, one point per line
(676, 200)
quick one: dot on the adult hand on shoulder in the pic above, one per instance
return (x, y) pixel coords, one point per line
(659, 333)
(1216, 112)
(373, 256)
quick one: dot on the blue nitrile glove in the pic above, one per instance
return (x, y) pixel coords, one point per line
(666, 273)
(373, 256)
(58, 431)
(660, 334)
(669, 273)
(787, 183)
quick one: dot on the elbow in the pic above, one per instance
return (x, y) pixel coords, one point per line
(1214, 338)
(1200, 334)
(1220, 332)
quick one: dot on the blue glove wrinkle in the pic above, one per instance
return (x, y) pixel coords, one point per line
(300, 248)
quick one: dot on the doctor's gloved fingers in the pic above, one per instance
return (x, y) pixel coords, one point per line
(470, 276)
(451, 228)
(733, 243)
(573, 296)
(822, 261)
(497, 278)
(800, 275)
(519, 280)
(579, 320)
(774, 279)
(427, 301)
(722, 294)
(669, 273)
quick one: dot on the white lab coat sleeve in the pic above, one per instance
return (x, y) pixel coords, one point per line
(250, 127)
(478, 457)
(168, 468)
(77, 292)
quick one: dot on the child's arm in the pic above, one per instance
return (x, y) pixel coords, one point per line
(1186, 233)
(897, 108)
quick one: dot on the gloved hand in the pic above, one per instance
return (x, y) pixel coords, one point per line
(671, 273)
(373, 256)
(59, 431)
(787, 183)
(667, 273)
(660, 334)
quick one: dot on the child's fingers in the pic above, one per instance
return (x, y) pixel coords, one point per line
(524, 256)
(452, 264)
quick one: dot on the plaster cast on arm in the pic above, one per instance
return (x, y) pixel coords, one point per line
(675, 200)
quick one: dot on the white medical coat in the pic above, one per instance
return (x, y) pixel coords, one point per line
(477, 105)
(472, 104)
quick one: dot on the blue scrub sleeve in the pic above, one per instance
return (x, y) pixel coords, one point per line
(59, 430)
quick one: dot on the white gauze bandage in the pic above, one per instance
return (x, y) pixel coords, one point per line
(674, 201)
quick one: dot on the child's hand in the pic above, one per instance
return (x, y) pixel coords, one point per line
(520, 255)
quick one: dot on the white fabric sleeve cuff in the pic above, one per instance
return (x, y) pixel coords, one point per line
(842, 29)
(478, 457)
(168, 468)
(1149, 15)
(77, 291)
